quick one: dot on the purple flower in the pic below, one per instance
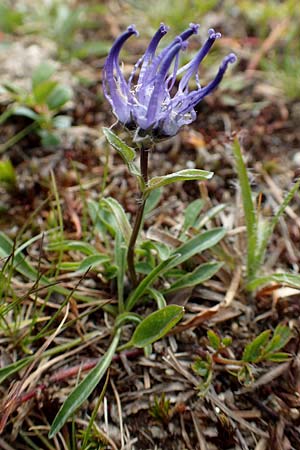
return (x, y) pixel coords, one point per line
(147, 101)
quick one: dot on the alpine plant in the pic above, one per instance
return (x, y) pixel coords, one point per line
(151, 102)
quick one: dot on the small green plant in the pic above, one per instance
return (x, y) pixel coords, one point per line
(41, 105)
(259, 229)
(161, 409)
(266, 347)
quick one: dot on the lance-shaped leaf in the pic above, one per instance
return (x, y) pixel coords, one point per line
(120, 217)
(85, 388)
(288, 279)
(182, 175)
(198, 276)
(156, 325)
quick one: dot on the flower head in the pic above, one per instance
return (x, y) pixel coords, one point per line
(147, 100)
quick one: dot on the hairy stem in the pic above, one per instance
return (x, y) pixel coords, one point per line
(138, 219)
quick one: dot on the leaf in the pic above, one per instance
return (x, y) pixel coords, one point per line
(49, 139)
(120, 216)
(127, 153)
(289, 279)
(269, 228)
(148, 280)
(59, 96)
(68, 245)
(196, 245)
(198, 276)
(92, 261)
(210, 214)
(214, 340)
(182, 175)
(7, 173)
(278, 357)
(43, 90)
(26, 112)
(199, 243)
(85, 388)
(152, 201)
(254, 349)
(9, 370)
(156, 325)
(61, 121)
(158, 297)
(249, 209)
(41, 74)
(18, 260)
(120, 260)
(191, 214)
(127, 317)
(281, 337)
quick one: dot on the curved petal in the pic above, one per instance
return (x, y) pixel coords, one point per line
(150, 74)
(114, 84)
(193, 98)
(192, 67)
(159, 90)
(150, 52)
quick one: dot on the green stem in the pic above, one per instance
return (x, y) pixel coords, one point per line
(138, 219)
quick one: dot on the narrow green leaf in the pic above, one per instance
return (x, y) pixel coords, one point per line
(249, 209)
(196, 245)
(120, 216)
(148, 280)
(156, 325)
(182, 175)
(18, 260)
(127, 153)
(210, 214)
(85, 388)
(288, 279)
(9, 370)
(152, 201)
(120, 261)
(92, 261)
(158, 297)
(191, 213)
(127, 317)
(69, 245)
(198, 276)
(254, 349)
(199, 243)
(278, 357)
(269, 227)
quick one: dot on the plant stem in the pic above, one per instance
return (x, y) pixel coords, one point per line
(138, 218)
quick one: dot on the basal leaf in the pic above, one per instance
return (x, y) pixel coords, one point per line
(198, 276)
(85, 388)
(156, 325)
(120, 216)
